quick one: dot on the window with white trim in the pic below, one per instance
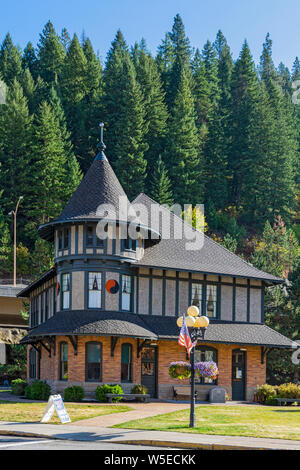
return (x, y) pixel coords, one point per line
(94, 288)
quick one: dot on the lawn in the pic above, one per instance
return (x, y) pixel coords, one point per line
(255, 421)
(33, 412)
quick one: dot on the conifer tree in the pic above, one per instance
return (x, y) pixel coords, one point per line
(49, 193)
(161, 188)
(243, 116)
(51, 54)
(73, 88)
(182, 153)
(10, 61)
(155, 108)
(182, 56)
(29, 60)
(125, 118)
(16, 132)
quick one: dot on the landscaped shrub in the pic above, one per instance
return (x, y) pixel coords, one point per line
(264, 392)
(139, 389)
(271, 401)
(74, 393)
(18, 386)
(101, 390)
(289, 390)
(39, 390)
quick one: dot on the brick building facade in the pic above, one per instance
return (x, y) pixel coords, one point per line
(107, 311)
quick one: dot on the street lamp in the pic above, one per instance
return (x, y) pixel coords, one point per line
(14, 213)
(197, 328)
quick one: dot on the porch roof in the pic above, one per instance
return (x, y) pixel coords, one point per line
(153, 327)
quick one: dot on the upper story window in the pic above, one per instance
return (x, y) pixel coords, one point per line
(126, 294)
(46, 305)
(65, 291)
(210, 307)
(128, 244)
(197, 296)
(91, 238)
(94, 294)
(206, 354)
(63, 239)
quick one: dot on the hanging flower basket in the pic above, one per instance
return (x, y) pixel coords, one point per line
(180, 370)
(207, 369)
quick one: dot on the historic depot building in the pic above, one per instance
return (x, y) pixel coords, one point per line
(106, 312)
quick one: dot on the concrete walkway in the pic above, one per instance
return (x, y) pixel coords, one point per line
(153, 438)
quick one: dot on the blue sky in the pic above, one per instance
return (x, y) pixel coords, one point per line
(238, 19)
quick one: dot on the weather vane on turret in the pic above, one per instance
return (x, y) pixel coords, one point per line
(101, 145)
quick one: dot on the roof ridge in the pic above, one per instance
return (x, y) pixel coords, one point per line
(209, 238)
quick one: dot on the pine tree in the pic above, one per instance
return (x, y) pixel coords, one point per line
(51, 54)
(165, 60)
(243, 116)
(49, 193)
(16, 132)
(201, 93)
(65, 39)
(182, 153)
(130, 128)
(155, 108)
(210, 61)
(266, 67)
(182, 56)
(73, 88)
(92, 102)
(161, 188)
(29, 60)
(124, 115)
(10, 61)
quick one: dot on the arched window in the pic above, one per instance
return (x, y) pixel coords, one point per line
(32, 363)
(206, 354)
(93, 361)
(126, 363)
(63, 361)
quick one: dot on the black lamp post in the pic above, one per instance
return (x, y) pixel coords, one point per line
(197, 328)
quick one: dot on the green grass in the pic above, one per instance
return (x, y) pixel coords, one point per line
(33, 412)
(254, 421)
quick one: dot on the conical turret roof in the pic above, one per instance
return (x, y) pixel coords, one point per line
(99, 195)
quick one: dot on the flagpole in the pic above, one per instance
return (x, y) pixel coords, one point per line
(192, 408)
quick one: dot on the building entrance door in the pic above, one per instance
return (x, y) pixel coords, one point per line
(238, 375)
(149, 369)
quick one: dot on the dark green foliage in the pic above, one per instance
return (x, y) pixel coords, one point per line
(161, 188)
(139, 389)
(74, 393)
(101, 390)
(51, 54)
(38, 390)
(18, 386)
(10, 61)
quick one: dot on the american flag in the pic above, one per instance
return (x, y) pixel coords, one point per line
(185, 339)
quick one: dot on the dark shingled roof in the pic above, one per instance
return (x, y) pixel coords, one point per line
(99, 187)
(81, 322)
(212, 258)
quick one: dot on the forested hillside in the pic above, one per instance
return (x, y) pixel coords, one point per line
(190, 125)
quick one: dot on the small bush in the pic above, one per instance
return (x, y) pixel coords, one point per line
(271, 401)
(18, 386)
(101, 390)
(289, 390)
(139, 389)
(264, 392)
(75, 393)
(39, 390)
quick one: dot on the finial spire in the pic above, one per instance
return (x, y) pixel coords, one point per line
(101, 145)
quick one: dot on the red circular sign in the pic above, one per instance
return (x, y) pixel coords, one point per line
(112, 286)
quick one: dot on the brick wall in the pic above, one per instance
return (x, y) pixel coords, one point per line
(168, 351)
